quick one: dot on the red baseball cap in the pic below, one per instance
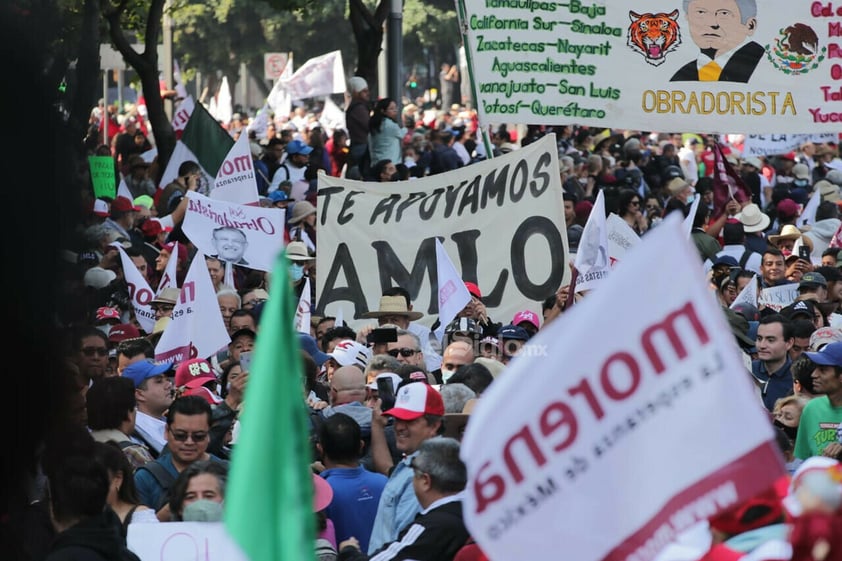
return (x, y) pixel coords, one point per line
(123, 204)
(205, 394)
(527, 316)
(416, 400)
(473, 289)
(123, 331)
(194, 373)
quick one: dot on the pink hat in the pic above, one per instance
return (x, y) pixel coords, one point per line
(416, 400)
(322, 493)
(473, 289)
(194, 373)
(527, 316)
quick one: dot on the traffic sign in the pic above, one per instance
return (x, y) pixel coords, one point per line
(274, 64)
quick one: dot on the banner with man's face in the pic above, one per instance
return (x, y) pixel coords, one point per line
(250, 236)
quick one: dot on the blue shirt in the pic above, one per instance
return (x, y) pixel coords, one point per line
(398, 506)
(149, 491)
(775, 385)
(356, 495)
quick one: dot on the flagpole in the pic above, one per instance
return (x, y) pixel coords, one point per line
(463, 29)
(571, 291)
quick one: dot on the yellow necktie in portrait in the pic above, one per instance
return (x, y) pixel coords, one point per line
(710, 72)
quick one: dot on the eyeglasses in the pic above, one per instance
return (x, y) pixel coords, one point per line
(182, 436)
(404, 352)
(91, 351)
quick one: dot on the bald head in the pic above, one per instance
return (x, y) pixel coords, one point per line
(347, 385)
(457, 354)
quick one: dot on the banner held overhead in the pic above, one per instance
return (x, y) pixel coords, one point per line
(657, 65)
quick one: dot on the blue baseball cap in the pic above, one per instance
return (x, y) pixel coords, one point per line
(308, 344)
(278, 196)
(298, 147)
(830, 355)
(513, 332)
(137, 372)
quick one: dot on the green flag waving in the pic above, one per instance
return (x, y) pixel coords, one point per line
(207, 139)
(269, 497)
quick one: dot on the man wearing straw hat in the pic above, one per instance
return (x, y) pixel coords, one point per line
(755, 222)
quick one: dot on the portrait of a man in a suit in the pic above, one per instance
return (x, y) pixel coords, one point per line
(721, 29)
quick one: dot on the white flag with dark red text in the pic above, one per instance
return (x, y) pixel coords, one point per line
(584, 457)
(139, 292)
(197, 328)
(453, 295)
(236, 182)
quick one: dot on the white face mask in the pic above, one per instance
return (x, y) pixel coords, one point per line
(446, 374)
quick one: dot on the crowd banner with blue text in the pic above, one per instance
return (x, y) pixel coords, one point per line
(700, 65)
(501, 221)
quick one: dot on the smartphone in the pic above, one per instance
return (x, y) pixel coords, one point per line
(382, 335)
(245, 361)
(386, 393)
(804, 253)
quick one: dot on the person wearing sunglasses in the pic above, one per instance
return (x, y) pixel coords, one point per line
(89, 352)
(187, 434)
(407, 349)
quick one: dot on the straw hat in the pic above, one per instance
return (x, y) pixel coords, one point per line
(790, 232)
(393, 306)
(753, 219)
(300, 211)
(297, 251)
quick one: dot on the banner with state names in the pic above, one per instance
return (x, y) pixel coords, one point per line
(703, 65)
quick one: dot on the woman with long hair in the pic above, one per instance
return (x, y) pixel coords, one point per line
(122, 495)
(629, 210)
(385, 133)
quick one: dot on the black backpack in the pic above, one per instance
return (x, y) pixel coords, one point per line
(165, 480)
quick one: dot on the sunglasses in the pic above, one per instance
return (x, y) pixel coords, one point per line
(182, 436)
(404, 352)
(91, 351)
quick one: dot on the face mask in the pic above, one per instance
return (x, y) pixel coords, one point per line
(203, 510)
(801, 182)
(446, 374)
(395, 177)
(691, 198)
(791, 432)
(296, 272)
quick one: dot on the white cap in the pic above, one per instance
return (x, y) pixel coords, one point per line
(349, 352)
(97, 277)
(396, 380)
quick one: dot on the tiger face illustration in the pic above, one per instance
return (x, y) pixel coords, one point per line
(654, 35)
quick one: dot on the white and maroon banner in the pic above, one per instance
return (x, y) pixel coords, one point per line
(182, 114)
(139, 292)
(236, 182)
(609, 447)
(197, 328)
(250, 236)
(170, 276)
(620, 239)
(302, 311)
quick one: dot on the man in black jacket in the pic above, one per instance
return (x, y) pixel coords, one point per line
(438, 532)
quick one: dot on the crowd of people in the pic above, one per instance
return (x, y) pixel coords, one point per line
(150, 443)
